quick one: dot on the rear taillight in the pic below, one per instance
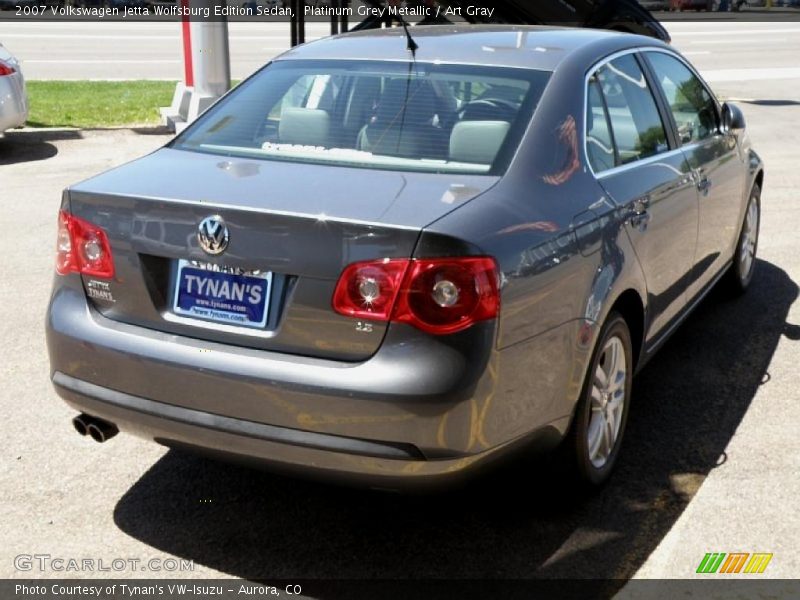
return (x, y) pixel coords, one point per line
(82, 247)
(444, 296)
(439, 296)
(6, 69)
(368, 290)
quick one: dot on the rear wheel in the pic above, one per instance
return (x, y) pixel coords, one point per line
(599, 423)
(744, 259)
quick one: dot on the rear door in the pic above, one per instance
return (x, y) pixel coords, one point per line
(714, 159)
(635, 160)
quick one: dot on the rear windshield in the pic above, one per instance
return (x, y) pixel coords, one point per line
(376, 115)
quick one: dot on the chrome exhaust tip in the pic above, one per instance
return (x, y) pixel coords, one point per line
(102, 431)
(81, 424)
(98, 429)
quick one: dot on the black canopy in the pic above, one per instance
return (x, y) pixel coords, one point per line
(619, 15)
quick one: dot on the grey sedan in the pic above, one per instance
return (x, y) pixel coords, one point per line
(396, 265)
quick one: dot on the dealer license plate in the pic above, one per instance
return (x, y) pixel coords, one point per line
(222, 296)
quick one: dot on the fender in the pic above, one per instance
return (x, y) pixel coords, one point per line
(619, 272)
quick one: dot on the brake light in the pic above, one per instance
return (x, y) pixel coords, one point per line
(6, 69)
(443, 296)
(82, 247)
(439, 296)
(368, 290)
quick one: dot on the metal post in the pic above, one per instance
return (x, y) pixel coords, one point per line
(335, 4)
(301, 22)
(293, 25)
(176, 113)
(207, 71)
(186, 34)
(210, 54)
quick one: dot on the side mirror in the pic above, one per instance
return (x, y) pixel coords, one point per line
(732, 119)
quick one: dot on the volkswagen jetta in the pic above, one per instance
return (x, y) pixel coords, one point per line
(396, 265)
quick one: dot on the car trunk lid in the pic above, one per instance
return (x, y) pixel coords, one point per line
(301, 223)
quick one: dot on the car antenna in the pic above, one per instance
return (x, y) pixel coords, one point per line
(413, 46)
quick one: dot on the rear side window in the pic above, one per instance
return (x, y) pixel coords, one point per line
(636, 125)
(691, 104)
(375, 114)
(599, 143)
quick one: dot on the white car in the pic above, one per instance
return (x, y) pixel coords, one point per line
(13, 98)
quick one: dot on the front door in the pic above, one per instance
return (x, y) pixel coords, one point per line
(715, 162)
(650, 180)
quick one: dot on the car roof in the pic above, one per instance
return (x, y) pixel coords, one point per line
(518, 46)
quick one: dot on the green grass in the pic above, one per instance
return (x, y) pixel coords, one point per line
(94, 104)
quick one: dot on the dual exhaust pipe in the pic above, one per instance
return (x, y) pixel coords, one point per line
(100, 431)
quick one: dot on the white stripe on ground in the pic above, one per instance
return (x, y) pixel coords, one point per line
(109, 61)
(121, 38)
(759, 74)
(736, 42)
(734, 32)
(99, 61)
(175, 79)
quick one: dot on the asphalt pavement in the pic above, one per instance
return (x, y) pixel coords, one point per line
(710, 460)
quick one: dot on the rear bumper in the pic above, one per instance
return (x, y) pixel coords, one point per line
(420, 410)
(308, 454)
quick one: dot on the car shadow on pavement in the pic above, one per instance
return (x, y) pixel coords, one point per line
(523, 521)
(153, 130)
(774, 103)
(31, 145)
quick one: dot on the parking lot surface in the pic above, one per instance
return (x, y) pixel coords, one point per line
(709, 465)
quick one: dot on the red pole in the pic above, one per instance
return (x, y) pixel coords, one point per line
(188, 72)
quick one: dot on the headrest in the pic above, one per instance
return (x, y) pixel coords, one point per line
(304, 127)
(421, 102)
(477, 142)
(363, 99)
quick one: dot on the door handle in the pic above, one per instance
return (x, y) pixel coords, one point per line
(640, 213)
(704, 185)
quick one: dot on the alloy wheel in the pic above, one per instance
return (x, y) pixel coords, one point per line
(747, 249)
(608, 394)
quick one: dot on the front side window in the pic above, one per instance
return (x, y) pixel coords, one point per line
(371, 114)
(692, 105)
(635, 121)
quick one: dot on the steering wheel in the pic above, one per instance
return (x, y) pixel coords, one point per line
(495, 104)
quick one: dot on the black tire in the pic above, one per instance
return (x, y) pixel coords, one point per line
(576, 445)
(737, 281)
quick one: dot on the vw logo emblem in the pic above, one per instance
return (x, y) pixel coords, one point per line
(212, 234)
